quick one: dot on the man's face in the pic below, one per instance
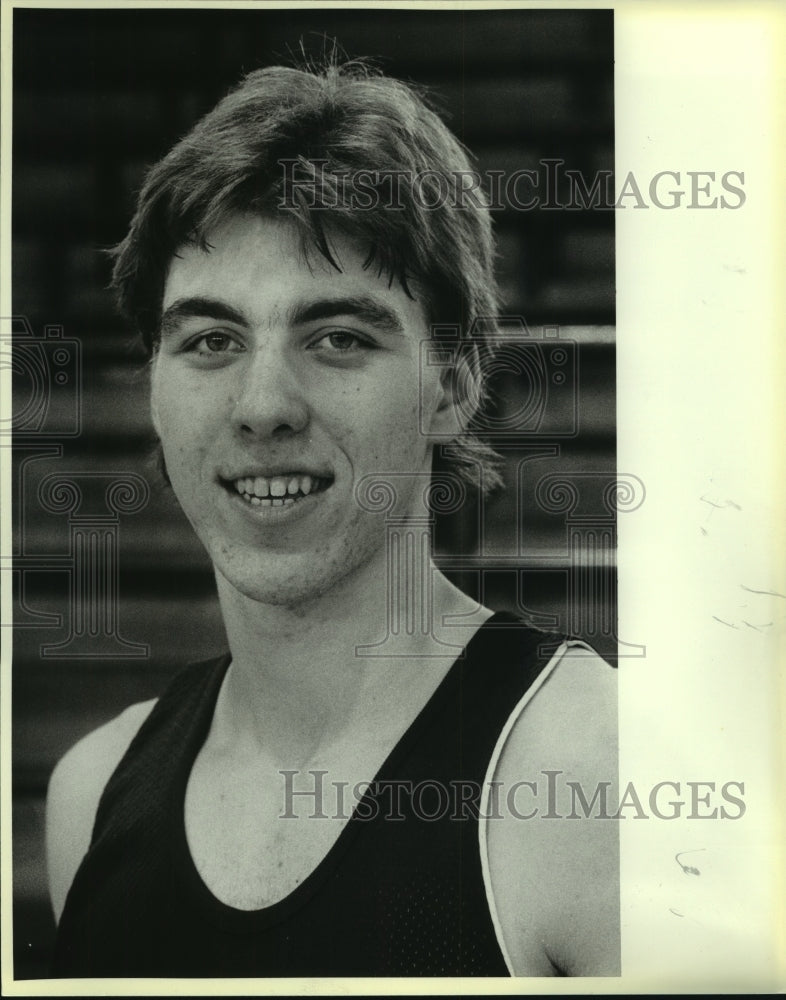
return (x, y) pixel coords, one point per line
(279, 384)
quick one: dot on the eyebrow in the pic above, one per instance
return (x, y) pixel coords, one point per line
(198, 307)
(363, 307)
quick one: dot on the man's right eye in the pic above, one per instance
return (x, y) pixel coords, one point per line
(215, 342)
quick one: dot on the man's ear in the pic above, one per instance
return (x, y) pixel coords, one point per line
(154, 407)
(151, 374)
(459, 398)
(154, 416)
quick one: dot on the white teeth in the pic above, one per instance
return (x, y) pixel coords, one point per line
(275, 491)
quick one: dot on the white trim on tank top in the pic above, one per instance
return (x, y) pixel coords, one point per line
(513, 718)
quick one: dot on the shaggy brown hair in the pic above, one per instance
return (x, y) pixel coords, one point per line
(301, 142)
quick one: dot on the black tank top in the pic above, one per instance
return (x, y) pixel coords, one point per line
(400, 893)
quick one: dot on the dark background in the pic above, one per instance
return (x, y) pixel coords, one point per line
(98, 96)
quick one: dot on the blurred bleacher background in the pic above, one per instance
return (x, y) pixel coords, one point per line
(101, 94)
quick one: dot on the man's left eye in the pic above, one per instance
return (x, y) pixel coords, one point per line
(341, 342)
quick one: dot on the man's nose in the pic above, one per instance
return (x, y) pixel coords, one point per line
(270, 398)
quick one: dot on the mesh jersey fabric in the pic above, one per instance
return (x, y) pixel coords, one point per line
(400, 893)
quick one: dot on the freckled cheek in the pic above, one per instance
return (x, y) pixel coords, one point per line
(188, 414)
(403, 419)
(374, 424)
(186, 438)
(397, 403)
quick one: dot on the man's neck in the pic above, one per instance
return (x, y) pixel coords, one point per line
(300, 685)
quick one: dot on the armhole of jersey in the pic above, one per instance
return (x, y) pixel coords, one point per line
(530, 693)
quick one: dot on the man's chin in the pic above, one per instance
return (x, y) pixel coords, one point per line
(292, 594)
(297, 587)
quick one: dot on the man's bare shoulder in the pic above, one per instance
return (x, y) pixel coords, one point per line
(75, 789)
(554, 854)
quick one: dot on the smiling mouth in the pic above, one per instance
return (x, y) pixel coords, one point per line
(277, 491)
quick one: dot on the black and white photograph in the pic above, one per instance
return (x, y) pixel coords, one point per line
(369, 611)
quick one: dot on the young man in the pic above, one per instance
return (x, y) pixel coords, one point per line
(285, 269)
